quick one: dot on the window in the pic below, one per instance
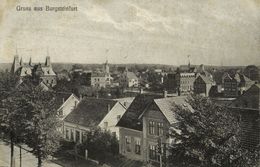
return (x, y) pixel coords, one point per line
(77, 136)
(138, 146)
(118, 117)
(152, 152)
(71, 135)
(128, 143)
(67, 132)
(160, 129)
(151, 127)
(83, 136)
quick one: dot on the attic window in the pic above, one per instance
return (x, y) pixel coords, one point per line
(48, 72)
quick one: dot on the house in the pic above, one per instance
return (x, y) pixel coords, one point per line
(92, 113)
(66, 102)
(248, 106)
(235, 84)
(202, 85)
(128, 79)
(38, 72)
(146, 121)
(102, 78)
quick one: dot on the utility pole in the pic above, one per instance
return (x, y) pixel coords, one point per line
(20, 155)
(159, 150)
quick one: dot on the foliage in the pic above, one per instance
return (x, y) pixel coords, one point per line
(42, 123)
(101, 145)
(209, 136)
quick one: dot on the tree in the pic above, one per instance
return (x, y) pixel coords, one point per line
(101, 145)
(12, 103)
(209, 136)
(42, 124)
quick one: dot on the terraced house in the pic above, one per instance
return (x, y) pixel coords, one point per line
(147, 121)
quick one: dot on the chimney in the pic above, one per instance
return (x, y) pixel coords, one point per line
(141, 91)
(108, 107)
(80, 97)
(63, 100)
(165, 93)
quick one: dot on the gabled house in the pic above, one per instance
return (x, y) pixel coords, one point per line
(92, 113)
(146, 121)
(128, 79)
(202, 85)
(67, 102)
(235, 84)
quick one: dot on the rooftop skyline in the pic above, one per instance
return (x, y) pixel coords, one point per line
(152, 32)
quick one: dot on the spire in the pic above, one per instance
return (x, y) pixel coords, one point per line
(48, 61)
(21, 61)
(15, 64)
(189, 61)
(30, 61)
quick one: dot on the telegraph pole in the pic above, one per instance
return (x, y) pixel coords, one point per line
(20, 155)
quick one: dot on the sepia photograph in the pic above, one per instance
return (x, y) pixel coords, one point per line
(129, 83)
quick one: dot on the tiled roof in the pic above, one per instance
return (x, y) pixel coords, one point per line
(61, 97)
(24, 71)
(98, 74)
(131, 117)
(131, 75)
(47, 71)
(89, 112)
(206, 79)
(166, 105)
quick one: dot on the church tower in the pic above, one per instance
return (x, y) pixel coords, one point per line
(15, 64)
(106, 67)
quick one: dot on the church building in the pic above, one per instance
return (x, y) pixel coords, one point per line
(42, 73)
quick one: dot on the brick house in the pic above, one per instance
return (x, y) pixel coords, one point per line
(202, 85)
(91, 113)
(234, 85)
(147, 120)
(248, 106)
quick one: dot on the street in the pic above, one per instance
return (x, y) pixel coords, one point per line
(28, 160)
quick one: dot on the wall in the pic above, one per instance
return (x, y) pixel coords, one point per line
(72, 128)
(132, 134)
(112, 118)
(153, 114)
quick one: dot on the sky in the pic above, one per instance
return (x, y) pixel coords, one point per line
(212, 32)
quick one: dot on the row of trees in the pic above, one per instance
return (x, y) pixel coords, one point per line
(28, 117)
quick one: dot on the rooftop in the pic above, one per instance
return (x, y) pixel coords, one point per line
(90, 111)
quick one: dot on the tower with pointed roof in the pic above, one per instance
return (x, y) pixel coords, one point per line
(15, 64)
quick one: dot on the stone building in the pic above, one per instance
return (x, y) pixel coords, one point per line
(37, 72)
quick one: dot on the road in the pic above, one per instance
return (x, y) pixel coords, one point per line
(28, 160)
